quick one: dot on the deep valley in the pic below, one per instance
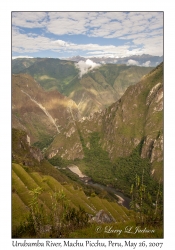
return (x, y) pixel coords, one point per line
(86, 150)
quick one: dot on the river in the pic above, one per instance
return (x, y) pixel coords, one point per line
(122, 199)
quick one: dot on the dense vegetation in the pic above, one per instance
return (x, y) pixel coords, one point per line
(126, 168)
(44, 142)
(121, 173)
(97, 161)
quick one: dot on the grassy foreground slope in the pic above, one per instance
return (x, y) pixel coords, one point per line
(24, 181)
(45, 202)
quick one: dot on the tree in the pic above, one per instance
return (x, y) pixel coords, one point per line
(149, 210)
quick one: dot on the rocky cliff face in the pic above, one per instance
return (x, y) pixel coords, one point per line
(67, 144)
(22, 152)
(136, 118)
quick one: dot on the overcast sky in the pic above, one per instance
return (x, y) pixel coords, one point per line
(88, 34)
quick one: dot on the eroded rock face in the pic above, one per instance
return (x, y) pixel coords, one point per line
(157, 152)
(73, 152)
(153, 93)
(153, 149)
(102, 217)
(155, 98)
(36, 153)
(70, 132)
(147, 147)
(22, 152)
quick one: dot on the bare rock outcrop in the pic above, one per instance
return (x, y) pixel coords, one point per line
(102, 217)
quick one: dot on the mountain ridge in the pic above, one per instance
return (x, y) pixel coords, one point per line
(93, 91)
(141, 60)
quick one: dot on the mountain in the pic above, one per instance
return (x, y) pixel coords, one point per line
(41, 114)
(42, 195)
(135, 121)
(93, 91)
(49, 72)
(141, 60)
(118, 148)
(48, 204)
(22, 63)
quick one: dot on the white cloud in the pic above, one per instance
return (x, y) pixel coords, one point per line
(144, 29)
(86, 66)
(146, 64)
(61, 43)
(24, 43)
(112, 24)
(132, 62)
(15, 57)
(27, 43)
(29, 19)
(66, 26)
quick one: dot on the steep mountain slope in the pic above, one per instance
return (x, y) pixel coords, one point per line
(118, 147)
(136, 119)
(32, 173)
(94, 91)
(42, 114)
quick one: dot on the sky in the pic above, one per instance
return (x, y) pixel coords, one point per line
(87, 34)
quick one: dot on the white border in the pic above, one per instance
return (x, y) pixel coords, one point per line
(5, 97)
